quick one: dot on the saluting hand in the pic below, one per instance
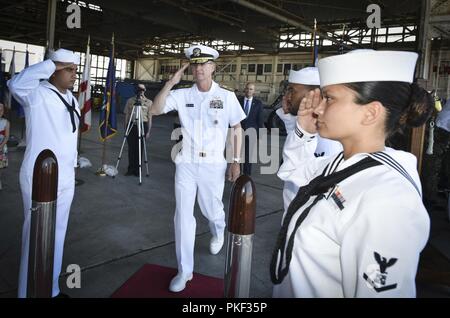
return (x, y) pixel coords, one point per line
(63, 65)
(306, 117)
(176, 78)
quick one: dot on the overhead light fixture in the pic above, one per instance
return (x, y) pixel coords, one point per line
(242, 30)
(148, 52)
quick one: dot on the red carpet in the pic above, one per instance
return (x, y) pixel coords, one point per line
(152, 281)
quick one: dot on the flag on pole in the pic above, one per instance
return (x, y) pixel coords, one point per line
(12, 72)
(27, 58)
(315, 46)
(84, 99)
(12, 102)
(108, 119)
(12, 64)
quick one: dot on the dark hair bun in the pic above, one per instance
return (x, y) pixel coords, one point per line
(421, 106)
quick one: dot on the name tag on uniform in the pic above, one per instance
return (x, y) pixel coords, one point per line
(189, 105)
(216, 104)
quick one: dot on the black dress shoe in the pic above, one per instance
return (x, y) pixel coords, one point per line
(61, 295)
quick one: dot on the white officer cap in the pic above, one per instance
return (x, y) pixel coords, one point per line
(368, 66)
(64, 56)
(141, 86)
(199, 54)
(306, 76)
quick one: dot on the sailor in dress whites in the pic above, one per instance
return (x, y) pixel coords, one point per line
(357, 225)
(300, 84)
(52, 117)
(206, 111)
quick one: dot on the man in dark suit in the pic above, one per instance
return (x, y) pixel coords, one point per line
(253, 108)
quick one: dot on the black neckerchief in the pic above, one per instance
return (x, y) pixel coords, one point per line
(318, 186)
(70, 109)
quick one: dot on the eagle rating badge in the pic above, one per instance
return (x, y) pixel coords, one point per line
(376, 275)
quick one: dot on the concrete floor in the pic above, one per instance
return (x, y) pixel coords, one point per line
(116, 226)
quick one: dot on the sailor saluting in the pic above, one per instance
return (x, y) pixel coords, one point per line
(52, 117)
(357, 225)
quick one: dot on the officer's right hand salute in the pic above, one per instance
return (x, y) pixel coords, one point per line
(310, 105)
(176, 78)
(160, 100)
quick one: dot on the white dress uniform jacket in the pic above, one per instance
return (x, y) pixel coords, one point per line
(48, 126)
(364, 238)
(288, 119)
(205, 118)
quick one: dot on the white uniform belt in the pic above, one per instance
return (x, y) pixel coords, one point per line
(206, 153)
(197, 153)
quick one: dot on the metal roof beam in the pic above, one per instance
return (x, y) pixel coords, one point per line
(287, 20)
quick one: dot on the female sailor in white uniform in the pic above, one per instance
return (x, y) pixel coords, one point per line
(357, 225)
(300, 83)
(52, 119)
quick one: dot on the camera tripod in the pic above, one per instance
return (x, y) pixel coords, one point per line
(136, 119)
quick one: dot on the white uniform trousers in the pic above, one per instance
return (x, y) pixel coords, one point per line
(65, 196)
(208, 179)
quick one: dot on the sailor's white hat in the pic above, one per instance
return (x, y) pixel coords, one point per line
(64, 56)
(368, 66)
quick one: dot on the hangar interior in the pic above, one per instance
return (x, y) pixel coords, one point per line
(117, 226)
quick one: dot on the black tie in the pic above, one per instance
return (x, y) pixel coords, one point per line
(71, 109)
(318, 186)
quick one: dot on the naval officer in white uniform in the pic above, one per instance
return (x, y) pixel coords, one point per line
(300, 84)
(206, 111)
(357, 225)
(52, 118)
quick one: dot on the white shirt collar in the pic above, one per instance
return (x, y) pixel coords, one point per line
(214, 85)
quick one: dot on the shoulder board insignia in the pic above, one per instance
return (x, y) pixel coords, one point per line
(183, 86)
